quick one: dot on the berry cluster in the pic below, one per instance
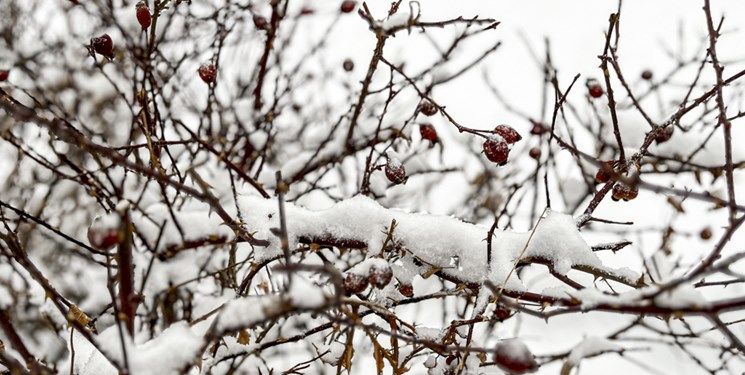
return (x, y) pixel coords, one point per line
(377, 275)
(497, 147)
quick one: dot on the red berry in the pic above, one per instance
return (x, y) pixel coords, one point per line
(347, 6)
(705, 234)
(428, 132)
(535, 153)
(406, 290)
(395, 171)
(603, 174)
(380, 275)
(594, 89)
(427, 108)
(260, 22)
(538, 128)
(625, 192)
(354, 283)
(502, 313)
(208, 73)
(103, 46)
(664, 135)
(103, 233)
(514, 357)
(348, 65)
(306, 11)
(4, 73)
(143, 15)
(497, 151)
(647, 75)
(509, 134)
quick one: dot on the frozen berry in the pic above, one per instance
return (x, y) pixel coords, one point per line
(664, 135)
(427, 108)
(509, 134)
(496, 151)
(395, 171)
(143, 15)
(647, 75)
(705, 234)
(406, 290)
(103, 46)
(347, 6)
(595, 90)
(208, 73)
(535, 153)
(260, 22)
(103, 233)
(354, 283)
(604, 174)
(428, 132)
(514, 357)
(4, 73)
(380, 275)
(348, 65)
(625, 192)
(538, 128)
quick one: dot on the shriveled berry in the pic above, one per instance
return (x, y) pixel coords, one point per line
(427, 108)
(4, 73)
(603, 175)
(208, 73)
(535, 153)
(538, 128)
(354, 283)
(514, 357)
(347, 6)
(406, 290)
(348, 65)
(509, 134)
(395, 171)
(428, 132)
(380, 275)
(497, 151)
(143, 15)
(260, 22)
(103, 45)
(647, 75)
(664, 135)
(705, 234)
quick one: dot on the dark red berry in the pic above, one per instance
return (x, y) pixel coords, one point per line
(143, 15)
(502, 313)
(103, 46)
(604, 174)
(427, 108)
(705, 234)
(538, 128)
(348, 65)
(395, 171)
(647, 75)
(103, 233)
(406, 290)
(428, 132)
(535, 153)
(260, 22)
(509, 134)
(347, 6)
(625, 192)
(354, 283)
(595, 90)
(514, 357)
(497, 151)
(208, 73)
(380, 275)
(664, 135)
(4, 75)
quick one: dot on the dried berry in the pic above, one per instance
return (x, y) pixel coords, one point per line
(647, 75)
(348, 65)
(428, 132)
(509, 134)
(603, 174)
(260, 22)
(395, 171)
(625, 192)
(513, 357)
(208, 73)
(427, 108)
(380, 275)
(103, 46)
(4, 75)
(664, 135)
(705, 234)
(535, 153)
(143, 15)
(347, 6)
(497, 151)
(406, 290)
(354, 283)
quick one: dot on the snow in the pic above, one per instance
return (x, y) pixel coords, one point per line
(589, 347)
